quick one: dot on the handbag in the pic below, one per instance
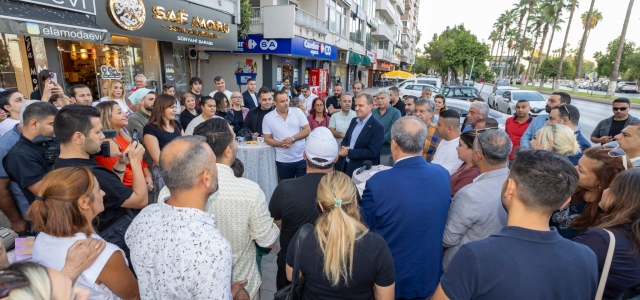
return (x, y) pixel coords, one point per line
(115, 233)
(607, 265)
(294, 290)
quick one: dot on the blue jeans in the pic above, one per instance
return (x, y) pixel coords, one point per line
(291, 170)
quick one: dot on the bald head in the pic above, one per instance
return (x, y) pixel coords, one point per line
(184, 160)
(409, 134)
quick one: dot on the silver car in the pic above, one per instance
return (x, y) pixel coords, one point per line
(497, 94)
(507, 103)
(462, 107)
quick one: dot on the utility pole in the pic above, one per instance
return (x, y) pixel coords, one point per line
(472, 63)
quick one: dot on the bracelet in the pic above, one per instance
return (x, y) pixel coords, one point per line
(118, 171)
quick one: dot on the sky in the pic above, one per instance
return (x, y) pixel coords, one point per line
(479, 17)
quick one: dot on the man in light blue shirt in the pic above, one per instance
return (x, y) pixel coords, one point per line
(340, 121)
(554, 100)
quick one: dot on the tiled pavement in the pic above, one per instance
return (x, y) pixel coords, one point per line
(269, 270)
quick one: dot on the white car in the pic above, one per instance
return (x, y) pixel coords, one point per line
(462, 107)
(497, 94)
(507, 103)
(415, 89)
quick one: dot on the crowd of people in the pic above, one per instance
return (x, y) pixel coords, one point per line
(140, 195)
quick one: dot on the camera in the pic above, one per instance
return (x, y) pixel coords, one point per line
(51, 147)
(105, 148)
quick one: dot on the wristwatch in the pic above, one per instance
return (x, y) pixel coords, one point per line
(293, 140)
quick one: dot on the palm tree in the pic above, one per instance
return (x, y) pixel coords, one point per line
(546, 16)
(596, 17)
(558, 6)
(556, 86)
(616, 65)
(507, 19)
(494, 36)
(531, 4)
(587, 23)
(536, 16)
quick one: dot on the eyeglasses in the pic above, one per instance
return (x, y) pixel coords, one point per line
(620, 108)
(11, 280)
(237, 97)
(616, 151)
(478, 131)
(567, 110)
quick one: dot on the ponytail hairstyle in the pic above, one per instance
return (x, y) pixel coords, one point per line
(56, 211)
(559, 139)
(341, 218)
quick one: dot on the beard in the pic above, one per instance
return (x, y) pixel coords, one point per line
(547, 108)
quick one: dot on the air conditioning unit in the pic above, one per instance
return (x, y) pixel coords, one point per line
(342, 56)
(193, 53)
(204, 55)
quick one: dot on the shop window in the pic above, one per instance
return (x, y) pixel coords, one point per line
(181, 68)
(12, 75)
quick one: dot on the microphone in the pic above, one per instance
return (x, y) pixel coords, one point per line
(366, 165)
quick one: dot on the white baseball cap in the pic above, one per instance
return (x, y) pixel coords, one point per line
(321, 144)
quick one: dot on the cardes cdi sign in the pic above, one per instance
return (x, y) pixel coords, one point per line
(297, 46)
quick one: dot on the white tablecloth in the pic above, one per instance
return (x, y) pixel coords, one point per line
(260, 166)
(361, 179)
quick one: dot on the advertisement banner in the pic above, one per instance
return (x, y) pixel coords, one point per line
(54, 32)
(82, 6)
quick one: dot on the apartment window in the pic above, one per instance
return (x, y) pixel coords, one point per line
(336, 18)
(404, 23)
(357, 29)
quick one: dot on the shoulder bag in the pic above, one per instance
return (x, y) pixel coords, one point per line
(607, 265)
(294, 290)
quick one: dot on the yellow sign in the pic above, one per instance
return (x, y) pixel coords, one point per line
(127, 14)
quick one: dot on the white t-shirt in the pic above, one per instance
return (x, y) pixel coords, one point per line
(51, 252)
(123, 105)
(447, 156)
(7, 125)
(281, 129)
(308, 102)
(227, 93)
(194, 123)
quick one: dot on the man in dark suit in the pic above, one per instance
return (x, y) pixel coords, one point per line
(411, 215)
(250, 97)
(364, 138)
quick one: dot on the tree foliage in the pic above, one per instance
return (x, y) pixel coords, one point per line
(605, 60)
(454, 49)
(246, 13)
(549, 68)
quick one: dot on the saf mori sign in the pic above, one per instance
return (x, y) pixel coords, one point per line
(83, 6)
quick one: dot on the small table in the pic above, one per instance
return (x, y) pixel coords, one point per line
(361, 179)
(260, 166)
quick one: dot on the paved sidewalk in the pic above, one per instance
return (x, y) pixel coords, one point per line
(269, 270)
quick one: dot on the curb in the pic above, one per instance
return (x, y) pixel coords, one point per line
(602, 101)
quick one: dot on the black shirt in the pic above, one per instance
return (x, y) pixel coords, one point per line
(26, 165)
(237, 120)
(163, 137)
(294, 202)
(333, 101)
(254, 119)
(115, 192)
(372, 264)
(198, 98)
(35, 95)
(616, 127)
(400, 106)
(186, 117)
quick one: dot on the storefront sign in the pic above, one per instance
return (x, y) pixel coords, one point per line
(360, 12)
(169, 20)
(33, 71)
(257, 44)
(83, 6)
(372, 22)
(109, 72)
(372, 56)
(54, 32)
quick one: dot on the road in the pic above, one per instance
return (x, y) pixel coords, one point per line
(591, 113)
(566, 88)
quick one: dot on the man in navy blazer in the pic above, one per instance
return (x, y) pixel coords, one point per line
(363, 140)
(250, 97)
(408, 205)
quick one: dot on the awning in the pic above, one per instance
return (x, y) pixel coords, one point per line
(355, 58)
(34, 20)
(366, 61)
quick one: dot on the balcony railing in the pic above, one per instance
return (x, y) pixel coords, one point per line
(369, 46)
(353, 36)
(307, 20)
(257, 16)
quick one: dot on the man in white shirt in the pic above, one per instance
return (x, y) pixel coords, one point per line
(11, 102)
(176, 249)
(239, 205)
(307, 97)
(449, 130)
(286, 129)
(629, 141)
(341, 120)
(220, 87)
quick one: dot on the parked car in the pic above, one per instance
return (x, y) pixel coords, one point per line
(604, 86)
(502, 83)
(434, 81)
(459, 92)
(462, 107)
(469, 83)
(497, 95)
(627, 87)
(415, 89)
(507, 103)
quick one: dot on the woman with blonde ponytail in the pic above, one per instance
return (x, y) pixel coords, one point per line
(556, 138)
(342, 259)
